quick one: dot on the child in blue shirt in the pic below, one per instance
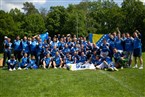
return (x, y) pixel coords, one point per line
(12, 63)
(25, 62)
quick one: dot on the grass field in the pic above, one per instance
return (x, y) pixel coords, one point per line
(63, 83)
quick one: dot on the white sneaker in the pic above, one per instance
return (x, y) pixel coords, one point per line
(116, 69)
(14, 69)
(19, 68)
(55, 67)
(122, 67)
(10, 69)
(135, 66)
(141, 67)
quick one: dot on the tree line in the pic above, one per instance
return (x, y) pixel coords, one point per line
(80, 19)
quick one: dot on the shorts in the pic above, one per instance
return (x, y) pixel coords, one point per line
(137, 52)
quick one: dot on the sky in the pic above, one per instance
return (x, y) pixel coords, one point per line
(6, 5)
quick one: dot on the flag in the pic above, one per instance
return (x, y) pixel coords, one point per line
(98, 38)
(44, 36)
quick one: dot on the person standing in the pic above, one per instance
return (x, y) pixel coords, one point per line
(137, 49)
(7, 50)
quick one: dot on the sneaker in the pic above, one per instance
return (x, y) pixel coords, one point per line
(110, 68)
(141, 67)
(116, 69)
(55, 67)
(122, 67)
(10, 69)
(135, 66)
(25, 68)
(14, 68)
(19, 68)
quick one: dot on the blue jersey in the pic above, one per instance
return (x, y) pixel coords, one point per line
(17, 45)
(33, 45)
(53, 51)
(118, 44)
(117, 55)
(98, 62)
(128, 44)
(112, 44)
(104, 47)
(137, 43)
(12, 62)
(25, 46)
(93, 58)
(76, 58)
(67, 60)
(39, 48)
(57, 60)
(32, 62)
(25, 60)
(66, 50)
(47, 61)
(8, 46)
(108, 60)
(83, 59)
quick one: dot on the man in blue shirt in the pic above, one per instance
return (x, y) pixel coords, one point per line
(129, 48)
(25, 46)
(7, 50)
(47, 61)
(137, 49)
(57, 61)
(17, 48)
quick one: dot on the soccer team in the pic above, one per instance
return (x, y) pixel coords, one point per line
(61, 51)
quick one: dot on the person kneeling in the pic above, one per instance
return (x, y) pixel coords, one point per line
(25, 62)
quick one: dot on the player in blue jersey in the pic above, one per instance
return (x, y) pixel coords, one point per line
(137, 49)
(17, 48)
(32, 63)
(75, 57)
(57, 61)
(25, 46)
(12, 63)
(47, 61)
(104, 48)
(25, 62)
(7, 50)
(83, 58)
(33, 44)
(129, 48)
(119, 42)
(39, 53)
(120, 60)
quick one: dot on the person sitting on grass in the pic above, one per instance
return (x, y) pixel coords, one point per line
(25, 62)
(12, 62)
(68, 61)
(32, 63)
(107, 64)
(47, 61)
(98, 61)
(57, 61)
(120, 60)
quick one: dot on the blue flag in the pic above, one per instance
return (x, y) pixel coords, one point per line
(44, 36)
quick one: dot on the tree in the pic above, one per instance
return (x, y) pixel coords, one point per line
(34, 23)
(29, 8)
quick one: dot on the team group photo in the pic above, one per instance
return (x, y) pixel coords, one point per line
(72, 48)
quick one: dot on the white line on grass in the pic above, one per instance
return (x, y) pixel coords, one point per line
(121, 83)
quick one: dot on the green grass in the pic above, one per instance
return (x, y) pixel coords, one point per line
(63, 83)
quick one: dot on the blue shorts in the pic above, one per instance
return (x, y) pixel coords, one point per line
(137, 52)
